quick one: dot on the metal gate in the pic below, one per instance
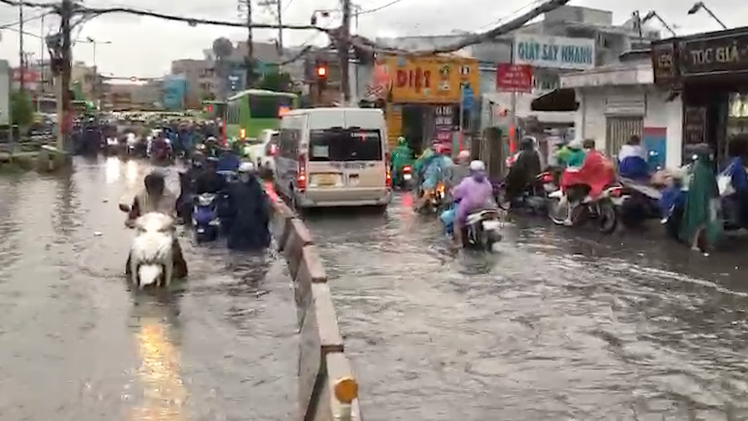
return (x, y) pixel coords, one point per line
(618, 131)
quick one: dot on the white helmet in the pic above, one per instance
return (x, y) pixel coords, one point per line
(463, 156)
(477, 166)
(246, 167)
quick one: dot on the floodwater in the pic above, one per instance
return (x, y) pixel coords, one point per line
(76, 344)
(555, 325)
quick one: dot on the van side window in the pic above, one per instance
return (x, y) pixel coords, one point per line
(289, 143)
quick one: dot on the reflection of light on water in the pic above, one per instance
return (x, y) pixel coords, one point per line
(112, 169)
(132, 173)
(165, 393)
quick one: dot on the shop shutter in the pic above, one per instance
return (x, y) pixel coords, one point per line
(618, 130)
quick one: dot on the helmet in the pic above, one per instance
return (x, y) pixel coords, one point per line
(477, 166)
(246, 167)
(575, 144)
(527, 142)
(463, 156)
(401, 140)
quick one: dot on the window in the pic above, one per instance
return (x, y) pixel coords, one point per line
(345, 145)
(268, 106)
(289, 143)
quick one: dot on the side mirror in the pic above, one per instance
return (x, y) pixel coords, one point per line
(124, 208)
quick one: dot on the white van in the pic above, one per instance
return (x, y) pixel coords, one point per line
(330, 157)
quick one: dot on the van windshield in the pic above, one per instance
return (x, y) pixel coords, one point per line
(345, 145)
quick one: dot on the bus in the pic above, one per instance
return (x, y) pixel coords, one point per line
(254, 110)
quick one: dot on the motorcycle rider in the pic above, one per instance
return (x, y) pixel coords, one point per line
(155, 197)
(208, 180)
(437, 170)
(632, 160)
(525, 169)
(596, 173)
(461, 169)
(473, 193)
(402, 156)
(571, 155)
(248, 211)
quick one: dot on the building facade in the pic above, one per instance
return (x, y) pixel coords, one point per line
(709, 73)
(619, 101)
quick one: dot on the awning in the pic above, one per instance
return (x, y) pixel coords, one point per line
(562, 99)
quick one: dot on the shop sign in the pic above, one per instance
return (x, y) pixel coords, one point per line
(554, 52)
(664, 63)
(721, 54)
(431, 79)
(514, 78)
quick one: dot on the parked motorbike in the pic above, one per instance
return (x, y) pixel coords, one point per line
(483, 229)
(205, 219)
(602, 209)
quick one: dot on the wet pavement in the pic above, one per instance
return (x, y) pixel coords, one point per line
(76, 344)
(556, 325)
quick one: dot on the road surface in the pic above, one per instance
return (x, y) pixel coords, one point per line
(76, 344)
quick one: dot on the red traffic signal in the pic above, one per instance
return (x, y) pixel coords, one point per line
(321, 71)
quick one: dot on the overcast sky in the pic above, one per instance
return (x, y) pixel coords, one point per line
(145, 46)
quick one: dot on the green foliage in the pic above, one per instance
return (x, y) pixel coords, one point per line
(21, 109)
(276, 81)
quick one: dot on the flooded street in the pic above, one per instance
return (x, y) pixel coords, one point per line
(76, 344)
(554, 326)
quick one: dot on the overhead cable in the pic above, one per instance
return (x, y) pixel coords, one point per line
(376, 9)
(370, 46)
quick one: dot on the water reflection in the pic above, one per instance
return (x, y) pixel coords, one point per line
(132, 173)
(157, 341)
(112, 169)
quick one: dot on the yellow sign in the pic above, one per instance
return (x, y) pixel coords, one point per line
(431, 79)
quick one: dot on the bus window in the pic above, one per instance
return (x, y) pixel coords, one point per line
(268, 106)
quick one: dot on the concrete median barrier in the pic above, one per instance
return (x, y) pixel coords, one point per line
(328, 389)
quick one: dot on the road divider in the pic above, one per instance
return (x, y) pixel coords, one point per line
(328, 389)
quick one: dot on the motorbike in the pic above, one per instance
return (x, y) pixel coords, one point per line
(135, 146)
(151, 257)
(535, 196)
(405, 178)
(482, 229)
(601, 209)
(638, 203)
(438, 200)
(205, 219)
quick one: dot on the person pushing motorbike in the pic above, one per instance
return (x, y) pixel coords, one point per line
(155, 197)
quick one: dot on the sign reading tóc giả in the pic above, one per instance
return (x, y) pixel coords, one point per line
(554, 52)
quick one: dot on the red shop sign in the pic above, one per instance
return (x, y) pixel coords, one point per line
(514, 78)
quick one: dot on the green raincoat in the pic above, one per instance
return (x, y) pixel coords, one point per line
(402, 156)
(702, 203)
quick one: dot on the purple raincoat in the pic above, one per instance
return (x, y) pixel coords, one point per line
(473, 193)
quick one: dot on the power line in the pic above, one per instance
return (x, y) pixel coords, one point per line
(498, 21)
(376, 9)
(28, 19)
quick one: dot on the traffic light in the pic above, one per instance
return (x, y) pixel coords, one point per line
(321, 72)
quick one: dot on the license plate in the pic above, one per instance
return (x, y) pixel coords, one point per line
(491, 225)
(549, 187)
(407, 177)
(200, 230)
(326, 180)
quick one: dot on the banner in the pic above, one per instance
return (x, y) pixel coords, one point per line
(175, 89)
(554, 52)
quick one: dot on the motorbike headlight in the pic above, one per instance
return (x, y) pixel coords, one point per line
(214, 223)
(111, 141)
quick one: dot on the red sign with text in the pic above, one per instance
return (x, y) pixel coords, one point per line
(514, 78)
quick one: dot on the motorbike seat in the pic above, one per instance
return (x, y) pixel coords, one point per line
(642, 188)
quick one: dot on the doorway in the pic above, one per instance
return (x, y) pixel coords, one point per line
(413, 126)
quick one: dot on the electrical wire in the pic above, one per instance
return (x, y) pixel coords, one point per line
(376, 9)
(26, 20)
(498, 21)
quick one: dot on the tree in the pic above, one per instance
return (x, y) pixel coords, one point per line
(21, 109)
(276, 81)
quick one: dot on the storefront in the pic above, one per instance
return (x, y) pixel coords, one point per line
(710, 73)
(423, 96)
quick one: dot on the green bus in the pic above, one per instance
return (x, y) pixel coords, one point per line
(254, 110)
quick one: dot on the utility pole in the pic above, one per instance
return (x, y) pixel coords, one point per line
(64, 100)
(250, 59)
(344, 48)
(22, 59)
(42, 76)
(279, 11)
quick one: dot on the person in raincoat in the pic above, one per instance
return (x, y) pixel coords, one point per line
(701, 219)
(735, 190)
(594, 175)
(437, 170)
(402, 156)
(248, 209)
(524, 170)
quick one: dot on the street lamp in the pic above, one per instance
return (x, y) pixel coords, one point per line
(654, 15)
(96, 79)
(699, 5)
